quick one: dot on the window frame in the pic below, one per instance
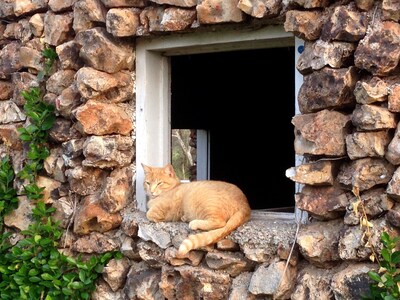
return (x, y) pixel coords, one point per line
(153, 91)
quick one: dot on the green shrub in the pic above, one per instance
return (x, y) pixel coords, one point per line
(386, 283)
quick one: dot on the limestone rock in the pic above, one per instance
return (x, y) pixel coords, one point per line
(323, 203)
(319, 54)
(327, 88)
(90, 216)
(365, 173)
(346, 24)
(104, 87)
(108, 151)
(373, 117)
(85, 181)
(101, 51)
(105, 118)
(314, 173)
(379, 51)
(57, 28)
(321, 133)
(218, 11)
(367, 144)
(318, 242)
(10, 112)
(306, 25)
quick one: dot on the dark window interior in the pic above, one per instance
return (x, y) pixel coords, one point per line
(246, 99)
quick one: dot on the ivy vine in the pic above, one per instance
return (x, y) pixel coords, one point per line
(34, 268)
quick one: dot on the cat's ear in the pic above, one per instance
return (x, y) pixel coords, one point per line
(169, 170)
(145, 168)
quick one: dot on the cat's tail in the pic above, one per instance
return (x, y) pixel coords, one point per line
(206, 238)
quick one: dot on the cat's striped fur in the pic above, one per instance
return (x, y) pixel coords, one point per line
(216, 207)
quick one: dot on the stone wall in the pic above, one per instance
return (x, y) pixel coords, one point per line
(347, 133)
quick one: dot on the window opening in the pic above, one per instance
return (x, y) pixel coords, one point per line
(234, 96)
(153, 91)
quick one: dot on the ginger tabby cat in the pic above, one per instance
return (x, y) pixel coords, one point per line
(216, 207)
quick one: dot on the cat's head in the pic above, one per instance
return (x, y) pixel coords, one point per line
(159, 180)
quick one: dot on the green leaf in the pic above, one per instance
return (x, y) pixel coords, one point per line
(385, 254)
(374, 276)
(33, 272)
(47, 276)
(396, 257)
(67, 291)
(76, 285)
(34, 279)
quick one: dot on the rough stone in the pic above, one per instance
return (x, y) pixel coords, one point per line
(314, 173)
(319, 54)
(101, 51)
(105, 118)
(373, 117)
(90, 216)
(379, 51)
(318, 242)
(104, 87)
(323, 203)
(108, 152)
(327, 88)
(365, 173)
(218, 11)
(345, 24)
(321, 133)
(367, 144)
(306, 25)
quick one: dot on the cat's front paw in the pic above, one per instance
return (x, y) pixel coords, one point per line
(154, 216)
(194, 225)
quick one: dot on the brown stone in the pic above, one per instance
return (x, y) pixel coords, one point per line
(375, 201)
(327, 88)
(318, 242)
(393, 187)
(345, 24)
(124, 3)
(123, 21)
(117, 190)
(90, 216)
(104, 87)
(314, 173)
(323, 203)
(306, 25)
(101, 51)
(391, 10)
(59, 81)
(108, 152)
(371, 90)
(367, 144)
(352, 281)
(365, 173)
(379, 51)
(85, 181)
(95, 242)
(177, 19)
(319, 54)
(321, 133)
(57, 28)
(103, 118)
(218, 11)
(6, 90)
(232, 263)
(9, 135)
(68, 54)
(373, 117)
(260, 9)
